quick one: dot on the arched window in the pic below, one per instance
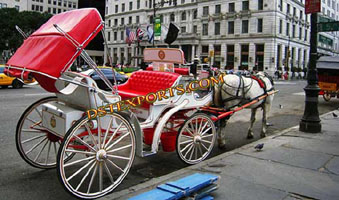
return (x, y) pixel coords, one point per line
(172, 17)
(183, 16)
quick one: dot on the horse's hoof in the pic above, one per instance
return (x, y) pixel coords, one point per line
(222, 146)
(250, 136)
(262, 135)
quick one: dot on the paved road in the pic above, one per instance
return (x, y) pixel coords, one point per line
(20, 181)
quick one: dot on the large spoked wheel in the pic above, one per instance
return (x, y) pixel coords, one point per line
(36, 145)
(196, 139)
(327, 96)
(104, 150)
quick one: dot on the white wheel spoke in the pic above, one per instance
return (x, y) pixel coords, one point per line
(185, 142)
(186, 136)
(106, 133)
(188, 150)
(192, 152)
(43, 147)
(32, 131)
(108, 172)
(195, 152)
(202, 134)
(49, 149)
(204, 127)
(35, 146)
(201, 121)
(204, 146)
(81, 152)
(187, 146)
(99, 132)
(55, 149)
(100, 177)
(200, 150)
(189, 131)
(119, 157)
(92, 178)
(113, 135)
(86, 175)
(117, 141)
(36, 109)
(80, 170)
(31, 120)
(33, 138)
(206, 136)
(92, 137)
(120, 148)
(84, 143)
(206, 141)
(79, 161)
(116, 166)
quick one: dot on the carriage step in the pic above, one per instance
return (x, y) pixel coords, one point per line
(148, 153)
(196, 186)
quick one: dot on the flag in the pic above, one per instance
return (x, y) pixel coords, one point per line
(140, 34)
(150, 34)
(164, 32)
(172, 34)
(130, 36)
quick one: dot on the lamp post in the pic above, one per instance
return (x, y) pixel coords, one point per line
(155, 7)
(310, 122)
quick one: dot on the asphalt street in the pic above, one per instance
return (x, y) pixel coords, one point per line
(19, 180)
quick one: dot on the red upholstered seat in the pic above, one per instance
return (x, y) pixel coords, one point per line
(142, 83)
(181, 71)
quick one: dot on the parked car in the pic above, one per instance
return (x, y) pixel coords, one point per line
(109, 74)
(6, 81)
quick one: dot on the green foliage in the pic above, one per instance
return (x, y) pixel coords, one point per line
(28, 21)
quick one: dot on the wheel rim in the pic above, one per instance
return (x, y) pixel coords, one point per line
(37, 145)
(99, 164)
(196, 139)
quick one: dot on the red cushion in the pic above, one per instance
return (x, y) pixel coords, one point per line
(142, 83)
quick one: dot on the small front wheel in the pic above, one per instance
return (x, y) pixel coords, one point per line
(196, 139)
(104, 150)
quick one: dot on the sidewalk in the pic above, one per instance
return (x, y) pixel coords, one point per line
(292, 165)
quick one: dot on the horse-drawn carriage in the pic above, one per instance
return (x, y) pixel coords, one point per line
(328, 73)
(92, 136)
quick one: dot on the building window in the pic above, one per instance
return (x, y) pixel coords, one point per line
(131, 5)
(130, 19)
(259, 56)
(281, 5)
(122, 21)
(260, 25)
(205, 29)
(123, 7)
(172, 17)
(244, 26)
(183, 29)
(183, 16)
(138, 4)
(195, 14)
(230, 57)
(288, 9)
(217, 9)
(115, 22)
(244, 56)
(205, 11)
(245, 5)
(288, 29)
(231, 7)
(204, 49)
(116, 8)
(195, 29)
(300, 33)
(294, 11)
(115, 36)
(293, 31)
(109, 36)
(306, 34)
(280, 26)
(122, 34)
(231, 27)
(260, 4)
(217, 28)
(137, 19)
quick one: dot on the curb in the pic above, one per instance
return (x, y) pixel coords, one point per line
(151, 184)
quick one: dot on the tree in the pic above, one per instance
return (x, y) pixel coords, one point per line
(28, 21)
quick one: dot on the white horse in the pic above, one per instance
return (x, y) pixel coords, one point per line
(238, 90)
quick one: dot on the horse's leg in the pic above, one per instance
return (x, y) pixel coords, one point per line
(250, 131)
(222, 134)
(265, 109)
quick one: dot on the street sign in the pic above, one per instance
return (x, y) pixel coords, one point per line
(328, 26)
(312, 6)
(157, 29)
(324, 19)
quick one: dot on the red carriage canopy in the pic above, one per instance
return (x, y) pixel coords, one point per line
(47, 53)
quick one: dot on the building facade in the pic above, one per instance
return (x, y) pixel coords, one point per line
(265, 35)
(50, 6)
